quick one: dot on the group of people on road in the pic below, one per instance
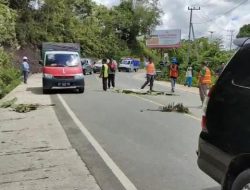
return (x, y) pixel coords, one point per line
(151, 73)
(109, 67)
(204, 77)
(107, 73)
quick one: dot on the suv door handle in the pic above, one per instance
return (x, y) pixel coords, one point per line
(240, 86)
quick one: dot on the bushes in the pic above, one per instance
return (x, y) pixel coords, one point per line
(9, 76)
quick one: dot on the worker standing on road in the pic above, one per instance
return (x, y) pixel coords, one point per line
(104, 74)
(111, 71)
(189, 75)
(174, 72)
(204, 81)
(25, 69)
(150, 69)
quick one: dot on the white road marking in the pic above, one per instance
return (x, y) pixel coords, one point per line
(147, 100)
(128, 185)
(159, 104)
(196, 118)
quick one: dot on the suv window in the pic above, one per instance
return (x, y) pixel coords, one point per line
(241, 68)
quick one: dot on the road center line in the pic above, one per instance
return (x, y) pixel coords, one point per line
(127, 184)
(159, 104)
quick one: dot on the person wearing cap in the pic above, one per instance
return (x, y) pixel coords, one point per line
(25, 69)
(174, 73)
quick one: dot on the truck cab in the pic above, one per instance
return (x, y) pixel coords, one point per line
(61, 67)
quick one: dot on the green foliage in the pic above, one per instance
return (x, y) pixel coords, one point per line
(244, 31)
(206, 51)
(102, 32)
(9, 76)
(7, 26)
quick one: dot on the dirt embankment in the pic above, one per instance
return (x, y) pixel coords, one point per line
(33, 54)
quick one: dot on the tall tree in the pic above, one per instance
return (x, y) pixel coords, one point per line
(244, 31)
(7, 26)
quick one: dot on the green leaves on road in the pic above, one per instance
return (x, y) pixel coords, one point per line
(8, 103)
(21, 108)
(142, 92)
(175, 108)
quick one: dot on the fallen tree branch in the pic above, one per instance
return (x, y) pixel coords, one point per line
(175, 108)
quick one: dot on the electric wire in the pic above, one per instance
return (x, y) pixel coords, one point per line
(224, 14)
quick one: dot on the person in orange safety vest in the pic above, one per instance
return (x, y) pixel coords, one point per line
(174, 73)
(204, 81)
(150, 69)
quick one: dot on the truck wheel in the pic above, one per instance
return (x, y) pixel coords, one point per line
(242, 182)
(81, 90)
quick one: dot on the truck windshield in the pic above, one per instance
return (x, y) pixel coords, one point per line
(62, 60)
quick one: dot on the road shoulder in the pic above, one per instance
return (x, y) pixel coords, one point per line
(35, 152)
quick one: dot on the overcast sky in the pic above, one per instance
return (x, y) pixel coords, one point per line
(219, 16)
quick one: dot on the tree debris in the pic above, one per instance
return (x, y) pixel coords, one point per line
(24, 108)
(175, 108)
(142, 92)
(8, 103)
(21, 108)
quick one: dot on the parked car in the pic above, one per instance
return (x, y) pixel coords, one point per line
(87, 66)
(224, 143)
(129, 65)
(97, 66)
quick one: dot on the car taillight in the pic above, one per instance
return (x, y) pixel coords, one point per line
(210, 91)
(204, 123)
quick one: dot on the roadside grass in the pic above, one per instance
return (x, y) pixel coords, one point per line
(10, 78)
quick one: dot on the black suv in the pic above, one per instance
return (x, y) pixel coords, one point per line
(224, 144)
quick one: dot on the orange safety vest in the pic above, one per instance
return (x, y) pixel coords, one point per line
(151, 69)
(207, 78)
(174, 71)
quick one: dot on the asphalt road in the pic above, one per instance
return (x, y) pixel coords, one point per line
(155, 150)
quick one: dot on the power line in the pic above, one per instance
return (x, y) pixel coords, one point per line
(225, 13)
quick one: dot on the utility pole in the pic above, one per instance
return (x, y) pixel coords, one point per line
(211, 36)
(231, 38)
(191, 28)
(133, 4)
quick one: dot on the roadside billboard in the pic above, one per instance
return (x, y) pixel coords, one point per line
(164, 39)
